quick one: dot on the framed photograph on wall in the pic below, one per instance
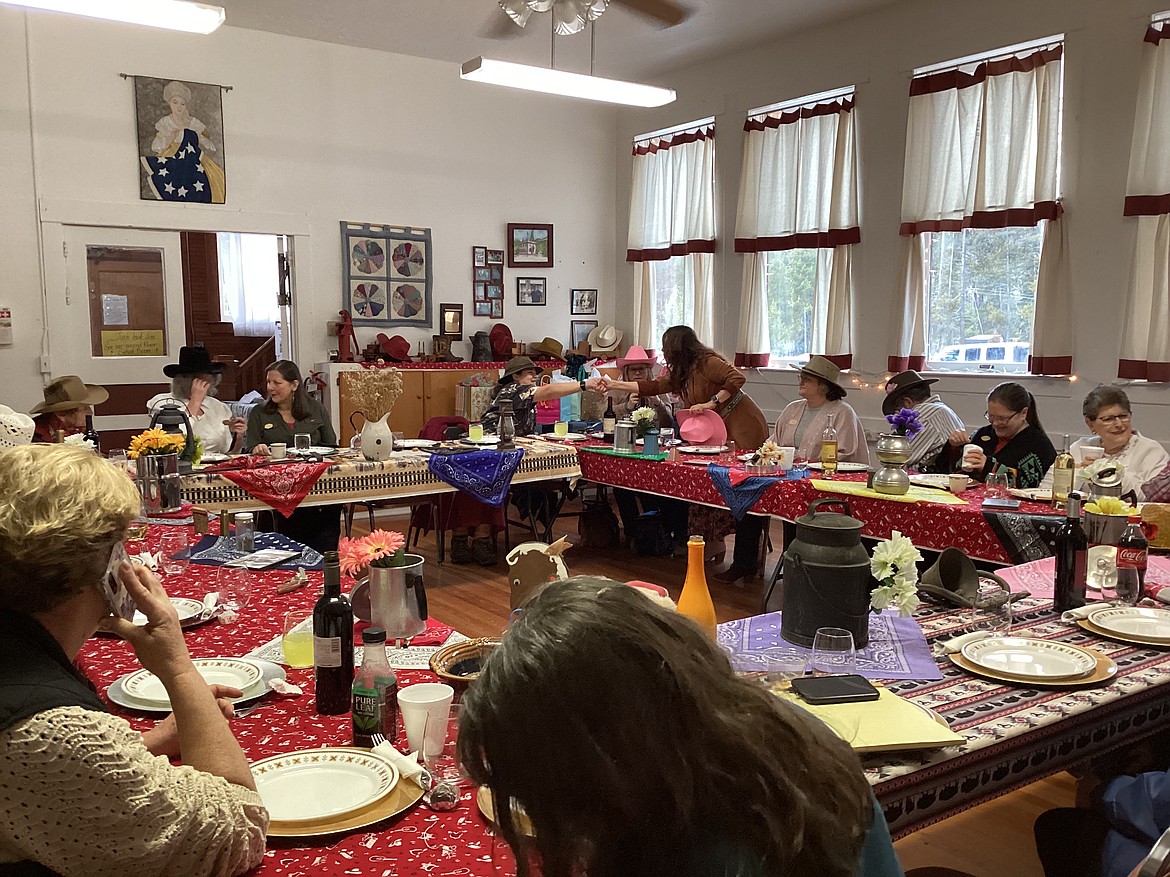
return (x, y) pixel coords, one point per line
(482, 308)
(531, 290)
(497, 308)
(451, 320)
(583, 301)
(530, 245)
(481, 292)
(579, 331)
(494, 291)
(479, 256)
(482, 274)
(495, 257)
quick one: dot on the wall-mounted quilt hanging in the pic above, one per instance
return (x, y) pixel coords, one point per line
(386, 278)
(180, 140)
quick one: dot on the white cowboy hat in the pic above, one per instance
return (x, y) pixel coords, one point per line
(603, 338)
(16, 429)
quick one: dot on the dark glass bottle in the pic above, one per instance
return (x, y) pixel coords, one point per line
(91, 434)
(609, 421)
(1071, 558)
(1132, 557)
(332, 643)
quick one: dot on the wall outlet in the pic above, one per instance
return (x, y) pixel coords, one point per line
(46, 366)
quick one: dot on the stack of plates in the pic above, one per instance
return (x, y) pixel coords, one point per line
(935, 480)
(1131, 624)
(145, 692)
(333, 789)
(1036, 661)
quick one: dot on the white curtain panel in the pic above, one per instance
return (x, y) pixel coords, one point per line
(754, 344)
(249, 282)
(1145, 336)
(910, 309)
(701, 279)
(1052, 323)
(832, 304)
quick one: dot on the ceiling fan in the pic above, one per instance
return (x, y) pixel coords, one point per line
(571, 16)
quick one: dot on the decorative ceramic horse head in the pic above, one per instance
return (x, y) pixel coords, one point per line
(533, 564)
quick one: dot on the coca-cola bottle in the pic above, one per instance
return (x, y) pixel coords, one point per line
(1132, 551)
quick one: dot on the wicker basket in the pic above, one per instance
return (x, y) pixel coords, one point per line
(458, 664)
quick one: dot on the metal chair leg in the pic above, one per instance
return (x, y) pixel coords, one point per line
(347, 514)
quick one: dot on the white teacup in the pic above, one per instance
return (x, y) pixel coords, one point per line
(278, 451)
(787, 456)
(958, 483)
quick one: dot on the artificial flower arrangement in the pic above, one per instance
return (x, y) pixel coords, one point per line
(156, 440)
(768, 454)
(906, 422)
(1110, 505)
(645, 419)
(895, 565)
(79, 439)
(381, 548)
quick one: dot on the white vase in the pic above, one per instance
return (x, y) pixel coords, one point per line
(377, 439)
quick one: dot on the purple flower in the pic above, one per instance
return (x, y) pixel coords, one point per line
(905, 422)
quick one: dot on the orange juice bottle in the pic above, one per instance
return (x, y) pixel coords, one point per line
(695, 600)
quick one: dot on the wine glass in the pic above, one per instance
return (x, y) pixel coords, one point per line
(998, 484)
(235, 590)
(833, 652)
(173, 542)
(993, 611)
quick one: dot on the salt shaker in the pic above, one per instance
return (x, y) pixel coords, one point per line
(245, 533)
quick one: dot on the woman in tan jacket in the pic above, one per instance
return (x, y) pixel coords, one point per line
(708, 382)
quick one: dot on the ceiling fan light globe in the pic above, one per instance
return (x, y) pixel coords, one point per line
(568, 18)
(594, 10)
(541, 5)
(517, 10)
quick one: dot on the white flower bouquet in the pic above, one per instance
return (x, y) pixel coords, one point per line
(895, 565)
(645, 419)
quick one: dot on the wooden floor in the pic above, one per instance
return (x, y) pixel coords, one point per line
(994, 840)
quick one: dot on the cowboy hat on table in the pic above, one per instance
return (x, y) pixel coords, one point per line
(823, 368)
(501, 338)
(897, 386)
(604, 339)
(704, 428)
(16, 429)
(68, 392)
(193, 361)
(396, 349)
(550, 347)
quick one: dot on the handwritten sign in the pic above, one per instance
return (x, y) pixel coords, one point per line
(134, 342)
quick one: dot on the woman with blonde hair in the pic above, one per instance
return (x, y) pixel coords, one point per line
(82, 792)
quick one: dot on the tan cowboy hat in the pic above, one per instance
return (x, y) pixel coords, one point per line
(15, 428)
(823, 368)
(604, 338)
(551, 347)
(897, 386)
(636, 355)
(69, 392)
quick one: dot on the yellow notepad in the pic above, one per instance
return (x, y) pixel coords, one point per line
(886, 724)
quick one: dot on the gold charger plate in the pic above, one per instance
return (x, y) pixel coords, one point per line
(1104, 670)
(403, 796)
(1130, 638)
(483, 797)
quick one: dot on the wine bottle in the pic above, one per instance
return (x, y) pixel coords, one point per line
(1063, 471)
(1072, 548)
(609, 421)
(829, 450)
(375, 692)
(1132, 557)
(332, 643)
(91, 434)
(695, 599)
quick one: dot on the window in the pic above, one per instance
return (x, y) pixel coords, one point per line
(791, 288)
(673, 301)
(249, 282)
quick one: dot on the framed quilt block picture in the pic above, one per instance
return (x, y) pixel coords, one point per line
(387, 273)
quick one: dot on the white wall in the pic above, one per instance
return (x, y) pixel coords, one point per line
(877, 53)
(315, 133)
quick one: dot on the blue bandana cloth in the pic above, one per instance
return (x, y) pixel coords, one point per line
(216, 551)
(741, 497)
(486, 474)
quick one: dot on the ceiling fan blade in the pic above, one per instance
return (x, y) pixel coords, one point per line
(666, 12)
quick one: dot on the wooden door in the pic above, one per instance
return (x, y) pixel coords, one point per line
(439, 391)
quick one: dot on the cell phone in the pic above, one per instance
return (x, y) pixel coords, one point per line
(117, 597)
(996, 502)
(849, 688)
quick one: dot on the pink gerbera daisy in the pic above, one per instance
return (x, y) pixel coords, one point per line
(352, 555)
(383, 543)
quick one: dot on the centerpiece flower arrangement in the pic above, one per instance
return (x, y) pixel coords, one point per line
(78, 439)
(768, 454)
(645, 419)
(373, 391)
(906, 422)
(1110, 505)
(895, 565)
(1095, 468)
(381, 548)
(155, 441)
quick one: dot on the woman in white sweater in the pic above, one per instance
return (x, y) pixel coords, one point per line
(802, 422)
(82, 792)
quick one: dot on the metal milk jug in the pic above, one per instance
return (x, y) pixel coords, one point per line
(625, 435)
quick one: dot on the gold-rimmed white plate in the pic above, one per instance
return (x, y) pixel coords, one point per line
(709, 450)
(843, 467)
(1032, 660)
(1140, 623)
(1104, 670)
(144, 686)
(321, 784)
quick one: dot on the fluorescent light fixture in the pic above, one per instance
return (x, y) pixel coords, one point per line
(614, 91)
(171, 14)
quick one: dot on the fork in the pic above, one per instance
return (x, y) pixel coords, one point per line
(426, 780)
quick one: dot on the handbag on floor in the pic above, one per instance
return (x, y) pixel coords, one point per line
(651, 538)
(598, 525)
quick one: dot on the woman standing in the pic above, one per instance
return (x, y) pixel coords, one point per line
(708, 382)
(803, 421)
(194, 381)
(1012, 442)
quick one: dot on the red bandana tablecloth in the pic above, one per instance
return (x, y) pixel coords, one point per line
(280, 485)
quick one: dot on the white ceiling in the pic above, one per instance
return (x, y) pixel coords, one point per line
(627, 45)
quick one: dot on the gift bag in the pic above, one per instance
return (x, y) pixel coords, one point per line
(568, 407)
(473, 395)
(548, 411)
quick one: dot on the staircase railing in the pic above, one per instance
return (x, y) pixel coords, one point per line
(250, 374)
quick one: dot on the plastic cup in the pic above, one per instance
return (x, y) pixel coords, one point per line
(787, 458)
(172, 542)
(561, 428)
(475, 431)
(419, 702)
(296, 640)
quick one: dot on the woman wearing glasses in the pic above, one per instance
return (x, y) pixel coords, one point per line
(1012, 442)
(1110, 418)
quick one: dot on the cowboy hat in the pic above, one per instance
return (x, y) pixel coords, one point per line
(193, 361)
(636, 355)
(604, 338)
(823, 368)
(704, 428)
(396, 349)
(501, 338)
(955, 579)
(15, 428)
(897, 386)
(550, 347)
(69, 392)
(518, 364)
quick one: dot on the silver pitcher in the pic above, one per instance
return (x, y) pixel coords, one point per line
(1106, 482)
(625, 437)
(158, 482)
(398, 600)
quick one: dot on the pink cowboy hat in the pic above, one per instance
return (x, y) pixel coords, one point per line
(704, 428)
(635, 356)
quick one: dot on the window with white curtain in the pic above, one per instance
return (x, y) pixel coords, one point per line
(249, 282)
(797, 224)
(984, 262)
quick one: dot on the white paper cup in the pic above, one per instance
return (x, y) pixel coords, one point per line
(968, 449)
(958, 483)
(787, 455)
(278, 451)
(1091, 454)
(416, 703)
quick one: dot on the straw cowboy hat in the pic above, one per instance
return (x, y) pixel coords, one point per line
(704, 428)
(604, 338)
(396, 349)
(501, 338)
(550, 347)
(635, 356)
(69, 392)
(193, 361)
(823, 368)
(16, 429)
(518, 364)
(897, 386)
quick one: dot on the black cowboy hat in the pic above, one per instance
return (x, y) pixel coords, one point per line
(193, 361)
(897, 386)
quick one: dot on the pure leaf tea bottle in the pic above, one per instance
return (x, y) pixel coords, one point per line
(332, 643)
(375, 692)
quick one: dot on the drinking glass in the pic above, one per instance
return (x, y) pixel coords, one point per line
(118, 458)
(833, 652)
(665, 437)
(998, 484)
(296, 640)
(173, 541)
(235, 590)
(781, 667)
(439, 738)
(562, 428)
(475, 431)
(303, 441)
(994, 614)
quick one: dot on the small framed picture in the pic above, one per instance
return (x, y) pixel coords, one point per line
(530, 245)
(531, 290)
(497, 308)
(479, 256)
(494, 291)
(579, 331)
(483, 274)
(451, 320)
(481, 292)
(584, 301)
(495, 257)
(495, 273)
(482, 308)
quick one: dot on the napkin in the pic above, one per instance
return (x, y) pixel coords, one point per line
(1082, 611)
(408, 766)
(286, 689)
(955, 644)
(146, 559)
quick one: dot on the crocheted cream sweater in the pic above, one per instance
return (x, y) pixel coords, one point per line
(81, 794)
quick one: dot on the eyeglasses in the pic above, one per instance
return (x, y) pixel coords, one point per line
(1113, 418)
(1000, 421)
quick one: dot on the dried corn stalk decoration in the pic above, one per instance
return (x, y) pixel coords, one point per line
(373, 391)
